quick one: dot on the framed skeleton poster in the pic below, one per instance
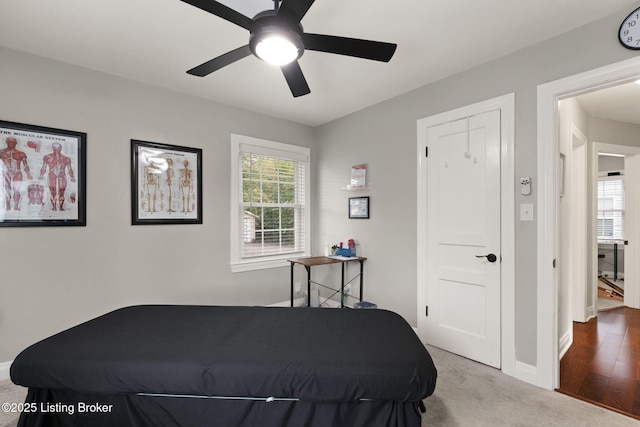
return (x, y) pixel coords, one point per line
(166, 184)
(43, 176)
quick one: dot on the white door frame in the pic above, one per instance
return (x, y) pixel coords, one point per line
(506, 105)
(547, 369)
(580, 215)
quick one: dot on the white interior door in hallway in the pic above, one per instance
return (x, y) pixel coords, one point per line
(463, 274)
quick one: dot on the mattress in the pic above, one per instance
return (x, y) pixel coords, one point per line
(270, 353)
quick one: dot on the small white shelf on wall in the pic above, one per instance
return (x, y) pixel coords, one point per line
(356, 189)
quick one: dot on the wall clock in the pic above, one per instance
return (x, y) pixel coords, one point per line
(629, 32)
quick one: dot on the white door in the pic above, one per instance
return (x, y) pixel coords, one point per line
(463, 237)
(632, 230)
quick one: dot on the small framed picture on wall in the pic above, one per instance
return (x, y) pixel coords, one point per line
(359, 207)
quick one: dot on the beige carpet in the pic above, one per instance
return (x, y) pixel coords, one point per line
(10, 393)
(468, 394)
(471, 394)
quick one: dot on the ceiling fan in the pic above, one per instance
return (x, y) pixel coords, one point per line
(276, 36)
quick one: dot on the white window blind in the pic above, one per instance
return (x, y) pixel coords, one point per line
(270, 203)
(273, 205)
(611, 208)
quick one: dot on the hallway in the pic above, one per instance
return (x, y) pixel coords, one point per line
(603, 364)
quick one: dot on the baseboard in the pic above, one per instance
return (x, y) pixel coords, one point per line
(282, 304)
(299, 302)
(4, 370)
(565, 342)
(527, 373)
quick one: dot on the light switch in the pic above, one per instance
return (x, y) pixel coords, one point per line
(526, 212)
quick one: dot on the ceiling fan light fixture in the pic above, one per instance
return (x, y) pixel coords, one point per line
(277, 49)
(283, 22)
(276, 45)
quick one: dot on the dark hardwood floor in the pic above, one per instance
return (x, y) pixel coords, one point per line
(603, 364)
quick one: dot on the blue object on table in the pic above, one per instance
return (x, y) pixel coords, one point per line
(365, 304)
(343, 252)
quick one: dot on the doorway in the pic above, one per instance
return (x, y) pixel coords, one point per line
(549, 94)
(592, 227)
(597, 349)
(616, 224)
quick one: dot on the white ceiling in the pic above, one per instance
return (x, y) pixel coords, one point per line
(156, 41)
(620, 103)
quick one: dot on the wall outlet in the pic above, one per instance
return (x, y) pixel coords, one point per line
(347, 289)
(296, 287)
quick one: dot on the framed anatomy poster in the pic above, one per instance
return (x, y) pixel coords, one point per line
(166, 184)
(43, 176)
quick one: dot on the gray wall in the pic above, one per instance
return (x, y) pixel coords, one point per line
(56, 277)
(614, 132)
(610, 164)
(384, 136)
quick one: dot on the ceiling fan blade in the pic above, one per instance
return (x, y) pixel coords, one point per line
(367, 49)
(295, 79)
(223, 12)
(221, 61)
(294, 10)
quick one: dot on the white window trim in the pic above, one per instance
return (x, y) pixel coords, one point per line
(240, 143)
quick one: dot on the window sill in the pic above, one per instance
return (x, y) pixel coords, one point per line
(263, 264)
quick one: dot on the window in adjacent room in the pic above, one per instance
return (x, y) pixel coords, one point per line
(611, 207)
(269, 203)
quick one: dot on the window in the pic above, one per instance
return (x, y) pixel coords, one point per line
(269, 203)
(611, 207)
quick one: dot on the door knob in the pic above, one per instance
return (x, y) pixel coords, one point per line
(490, 257)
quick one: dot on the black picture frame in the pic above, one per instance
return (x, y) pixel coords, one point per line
(359, 207)
(44, 175)
(166, 184)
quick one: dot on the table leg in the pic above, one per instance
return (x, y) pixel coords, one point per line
(308, 285)
(615, 262)
(291, 284)
(361, 278)
(342, 287)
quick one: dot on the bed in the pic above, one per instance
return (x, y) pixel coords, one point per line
(173, 365)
